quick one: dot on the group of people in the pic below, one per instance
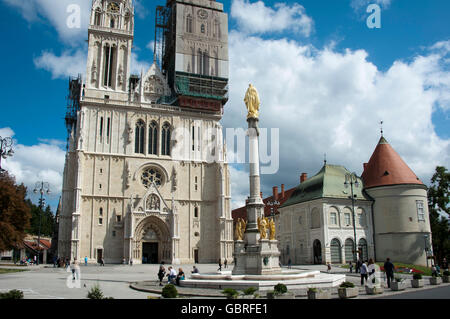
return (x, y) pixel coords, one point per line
(436, 269)
(171, 274)
(225, 263)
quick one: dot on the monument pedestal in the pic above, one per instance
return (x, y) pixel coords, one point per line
(260, 259)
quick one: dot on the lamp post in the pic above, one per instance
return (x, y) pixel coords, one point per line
(5, 149)
(425, 238)
(352, 180)
(272, 204)
(41, 187)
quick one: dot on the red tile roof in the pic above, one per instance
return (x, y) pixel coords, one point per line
(386, 167)
(242, 211)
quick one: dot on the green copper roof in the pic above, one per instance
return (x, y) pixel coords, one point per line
(327, 183)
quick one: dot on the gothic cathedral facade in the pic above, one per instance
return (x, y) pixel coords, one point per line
(146, 176)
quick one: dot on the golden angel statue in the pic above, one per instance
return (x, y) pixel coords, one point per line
(272, 229)
(240, 229)
(252, 101)
(263, 224)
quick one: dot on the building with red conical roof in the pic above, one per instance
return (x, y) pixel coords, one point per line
(400, 209)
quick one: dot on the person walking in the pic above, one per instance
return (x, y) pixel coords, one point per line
(85, 260)
(220, 265)
(389, 269)
(350, 266)
(358, 265)
(328, 268)
(225, 263)
(364, 270)
(131, 261)
(161, 274)
(289, 263)
(75, 269)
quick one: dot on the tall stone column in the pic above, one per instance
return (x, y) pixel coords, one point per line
(255, 206)
(254, 255)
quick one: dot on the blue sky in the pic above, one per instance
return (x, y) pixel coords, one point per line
(413, 41)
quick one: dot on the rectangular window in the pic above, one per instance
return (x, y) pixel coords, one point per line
(114, 233)
(101, 128)
(193, 138)
(333, 219)
(119, 218)
(347, 219)
(100, 221)
(198, 138)
(420, 212)
(108, 126)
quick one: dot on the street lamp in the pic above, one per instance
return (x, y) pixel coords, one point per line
(41, 187)
(425, 238)
(5, 149)
(272, 204)
(352, 180)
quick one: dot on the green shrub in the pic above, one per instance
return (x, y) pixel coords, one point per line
(95, 293)
(347, 284)
(170, 291)
(398, 279)
(446, 273)
(312, 289)
(417, 276)
(249, 291)
(280, 289)
(12, 294)
(230, 293)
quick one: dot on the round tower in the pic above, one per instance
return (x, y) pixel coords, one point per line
(400, 209)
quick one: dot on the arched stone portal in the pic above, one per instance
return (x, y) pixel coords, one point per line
(152, 241)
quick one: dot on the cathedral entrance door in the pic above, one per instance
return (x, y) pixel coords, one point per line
(149, 253)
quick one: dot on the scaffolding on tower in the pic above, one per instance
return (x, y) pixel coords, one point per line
(73, 106)
(162, 30)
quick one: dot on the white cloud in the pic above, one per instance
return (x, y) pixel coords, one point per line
(330, 102)
(239, 181)
(57, 14)
(63, 66)
(359, 4)
(40, 162)
(257, 18)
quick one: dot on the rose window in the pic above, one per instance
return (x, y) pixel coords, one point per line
(151, 175)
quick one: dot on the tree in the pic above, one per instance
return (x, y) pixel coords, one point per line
(47, 220)
(438, 196)
(14, 212)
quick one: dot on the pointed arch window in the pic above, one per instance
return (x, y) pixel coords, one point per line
(139, 137)
(205, 63)
(203, 29)
(109, 53)
(97, 17)
(165, 139)
(189, 23)
(112, 23)
(153, 138)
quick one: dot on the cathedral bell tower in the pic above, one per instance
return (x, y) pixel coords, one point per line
(111, 31)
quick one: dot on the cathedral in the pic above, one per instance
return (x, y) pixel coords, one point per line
(146, 176)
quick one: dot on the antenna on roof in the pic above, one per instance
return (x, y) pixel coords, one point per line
(381, 128)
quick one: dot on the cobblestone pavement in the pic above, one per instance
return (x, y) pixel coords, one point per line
(46, 282)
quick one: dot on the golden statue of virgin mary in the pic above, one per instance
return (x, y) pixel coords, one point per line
(252, 102)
